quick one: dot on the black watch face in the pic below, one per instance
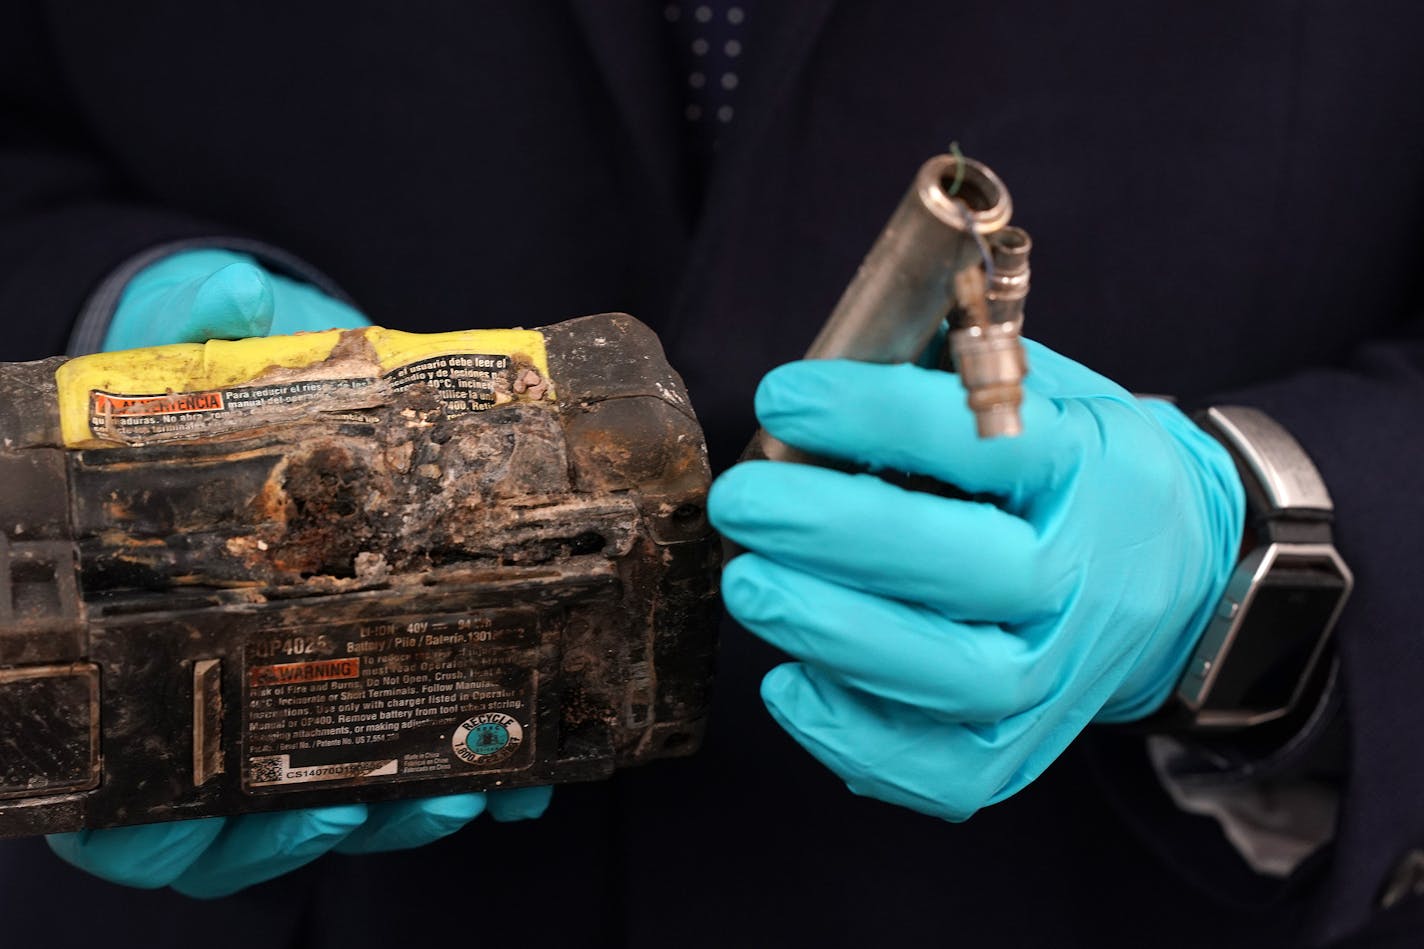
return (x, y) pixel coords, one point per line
(1272, 650)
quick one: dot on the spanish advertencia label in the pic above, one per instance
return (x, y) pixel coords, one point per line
(138, 419)
(390, 700)
(464, 383)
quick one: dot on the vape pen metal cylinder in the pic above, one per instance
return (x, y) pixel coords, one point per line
(905, 286)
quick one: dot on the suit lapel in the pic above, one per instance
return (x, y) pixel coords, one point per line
(631, 51)
(783, 37)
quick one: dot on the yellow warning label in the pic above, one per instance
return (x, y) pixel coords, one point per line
(195, 390)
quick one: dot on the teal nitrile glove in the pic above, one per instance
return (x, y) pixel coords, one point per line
(950, 650)
(194, 296)
(197, 295)
(217, 856)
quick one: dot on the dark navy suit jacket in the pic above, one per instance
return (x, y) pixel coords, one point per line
(1227, 201)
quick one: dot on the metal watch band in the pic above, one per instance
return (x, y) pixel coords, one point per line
(1286, 593)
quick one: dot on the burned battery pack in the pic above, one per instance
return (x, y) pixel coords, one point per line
(346, 566)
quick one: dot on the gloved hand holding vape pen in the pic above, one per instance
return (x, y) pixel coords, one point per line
(949, 650)
(194, 296)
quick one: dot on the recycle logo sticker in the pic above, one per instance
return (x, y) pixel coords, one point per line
(487, 738)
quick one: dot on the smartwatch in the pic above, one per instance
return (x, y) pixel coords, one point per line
(1269, 631)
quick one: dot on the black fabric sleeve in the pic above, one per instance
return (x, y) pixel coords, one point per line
(1363, 425)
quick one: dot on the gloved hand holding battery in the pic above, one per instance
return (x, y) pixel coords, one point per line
(194, 296)
(198, 295)
(949, 650)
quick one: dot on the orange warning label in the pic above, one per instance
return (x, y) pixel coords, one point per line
(109, 403)
(293, 672)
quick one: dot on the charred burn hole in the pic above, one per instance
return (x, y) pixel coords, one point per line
(325, 485)
(442, 434)
(687, 512)
(327, 507)
(327, 490)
